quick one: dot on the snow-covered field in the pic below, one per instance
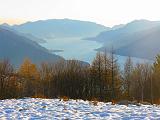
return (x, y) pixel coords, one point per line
(47, 109)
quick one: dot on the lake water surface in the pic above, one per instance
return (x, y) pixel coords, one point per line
(73, 48)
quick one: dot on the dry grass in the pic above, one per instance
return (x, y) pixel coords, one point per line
(157, 101)
(94, 101)
(113, 102)
(39, 96)
(64, 98)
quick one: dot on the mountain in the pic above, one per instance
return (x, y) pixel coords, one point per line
(61, 28)
(15, 48)
(124, 35)
(139, 38)
(145, 44)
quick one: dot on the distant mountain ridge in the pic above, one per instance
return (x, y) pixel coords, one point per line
(116, 36)
(61, 28)
(139, 38)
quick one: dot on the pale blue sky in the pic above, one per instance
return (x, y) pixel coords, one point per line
(106, 12)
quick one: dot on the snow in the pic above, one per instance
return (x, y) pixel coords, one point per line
(45, 109)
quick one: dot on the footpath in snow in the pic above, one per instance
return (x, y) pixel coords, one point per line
(53, 109)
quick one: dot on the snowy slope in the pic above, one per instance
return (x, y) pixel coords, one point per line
(47, 109)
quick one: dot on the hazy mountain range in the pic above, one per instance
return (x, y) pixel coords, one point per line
(65, 35)
(139, 38)
(61, 28)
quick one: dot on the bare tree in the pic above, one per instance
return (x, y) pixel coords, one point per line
(128, 70)
(114, 73)
(6, 72)
(142, 74)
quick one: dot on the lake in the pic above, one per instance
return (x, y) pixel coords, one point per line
(76, 48)
(73, 48)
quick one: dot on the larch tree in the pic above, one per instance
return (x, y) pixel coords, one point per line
(114, 75)
(30, 76)
(156, 78)
(96, 73)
